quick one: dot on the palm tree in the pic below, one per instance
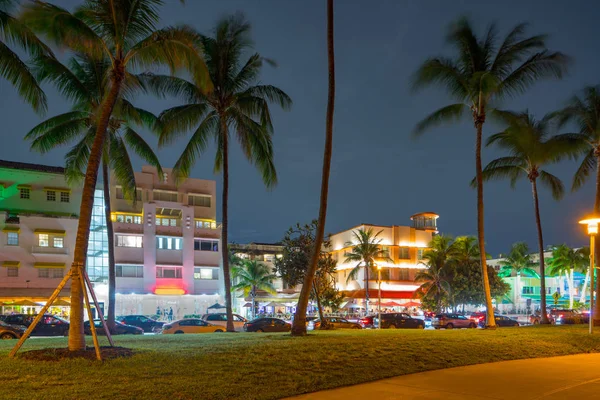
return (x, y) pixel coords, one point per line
(485, 70)
(83, 84)
(236, 103)
(584, 111)
(584, 269)
(566, 260)
(435, 285)
(12, 68)
(531, 148)
(124, 32)
(366, 249)
(252, 276)
(520, 262)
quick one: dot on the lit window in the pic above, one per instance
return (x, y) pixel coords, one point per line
(199, 200)
(43, 240)
(160, 195)
(420, 254)
(43, 273)
(404, 254)
(129, 271)
(59, 242)
(57, 273)
(50, 195)
(25, 193)
(168, 272)
(168, 243)
(12, 272)
(205, 273)
(129, 241)
(206, 245)
(65, 197)
(12, 239)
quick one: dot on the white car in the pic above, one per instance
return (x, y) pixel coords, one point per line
(221, 320)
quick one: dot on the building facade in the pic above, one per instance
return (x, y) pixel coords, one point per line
(38, 217)
(403, 244)
(167, 242)
(167, 245)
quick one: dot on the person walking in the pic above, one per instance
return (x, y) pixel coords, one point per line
(170, 314)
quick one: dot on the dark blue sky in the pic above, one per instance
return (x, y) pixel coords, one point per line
(379, 175)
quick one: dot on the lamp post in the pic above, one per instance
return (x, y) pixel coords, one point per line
(379, 295)
(592, 230)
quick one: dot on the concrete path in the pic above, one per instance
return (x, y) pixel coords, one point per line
(556, 378)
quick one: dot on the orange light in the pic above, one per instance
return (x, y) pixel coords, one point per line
(592, 225)
(169, 291)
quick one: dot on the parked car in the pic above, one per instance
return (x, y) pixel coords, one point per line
(451, 321)
(120, 328)
(10, 331)
(49, 325)
(267, 325)
(477, 316)
(536, 318)
(366, 321)
(398, 321)
(337, 322)
(141, 321)
(569, 317)
(221, 319)
(501, 321)
(191, 325)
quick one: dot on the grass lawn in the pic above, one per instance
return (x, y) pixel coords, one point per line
(271, 366)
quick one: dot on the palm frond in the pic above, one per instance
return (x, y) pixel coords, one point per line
(441, 71)
(453, 112)
(49, 69)
(59, 135)
(587, 167)
(137, 143)
(18, 74)
(553, 183)
(120, 164)
(197, 145)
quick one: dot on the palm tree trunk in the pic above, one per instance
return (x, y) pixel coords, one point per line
(518, 291)
(596, 313)
(490, 320)
(584, 288)
(571, 288)
(76, 336)
(321, 316)
(299, 326)
(112, 280)
(253, 294)
(224, 248)
(538, 222)
(368, 265)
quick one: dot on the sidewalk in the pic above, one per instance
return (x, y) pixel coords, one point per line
(556, 378)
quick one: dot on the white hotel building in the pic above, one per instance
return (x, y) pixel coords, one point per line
(167, 245)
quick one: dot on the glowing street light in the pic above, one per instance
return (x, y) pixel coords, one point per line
(592, 230)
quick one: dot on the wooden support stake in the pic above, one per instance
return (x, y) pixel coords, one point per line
(91, 318)
(91, 289)
(38, 318)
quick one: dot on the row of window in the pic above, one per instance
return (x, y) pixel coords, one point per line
(137, 271)
(162, 221)
(166, 243)
(44, 240)
(51, 195)
(127, 271)
(162, 195)
(51, 273)
(536, 290)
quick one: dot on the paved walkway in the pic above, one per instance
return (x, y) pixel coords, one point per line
(556, 378)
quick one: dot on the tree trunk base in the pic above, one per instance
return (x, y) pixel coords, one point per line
(597, 322)
(298, 332)
(490, 327)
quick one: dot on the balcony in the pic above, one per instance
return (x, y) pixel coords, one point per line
(49, 250)
(125, 227)
(207, 230)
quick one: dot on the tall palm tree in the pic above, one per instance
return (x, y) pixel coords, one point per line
(584, 111)
(530, 149)
(125, 33)
(12, 68)
(566, 260)
(83, 82)
(366, 249)
(237, 103)
(299, 324)
(252, 276)
(482, 71)
(520, 262)
(435, 279)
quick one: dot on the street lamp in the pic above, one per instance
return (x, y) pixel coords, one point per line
(379, 306)
(592, 230)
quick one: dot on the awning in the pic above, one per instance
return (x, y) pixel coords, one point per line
(48, 265)
(23, 302)
(15, 229)
(55, 189)
(374, 293)
(11, 264)
(49, 232)
(8, 295)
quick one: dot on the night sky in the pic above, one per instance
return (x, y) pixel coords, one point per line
(379, 174)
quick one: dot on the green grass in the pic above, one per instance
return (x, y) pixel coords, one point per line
(271, 366)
